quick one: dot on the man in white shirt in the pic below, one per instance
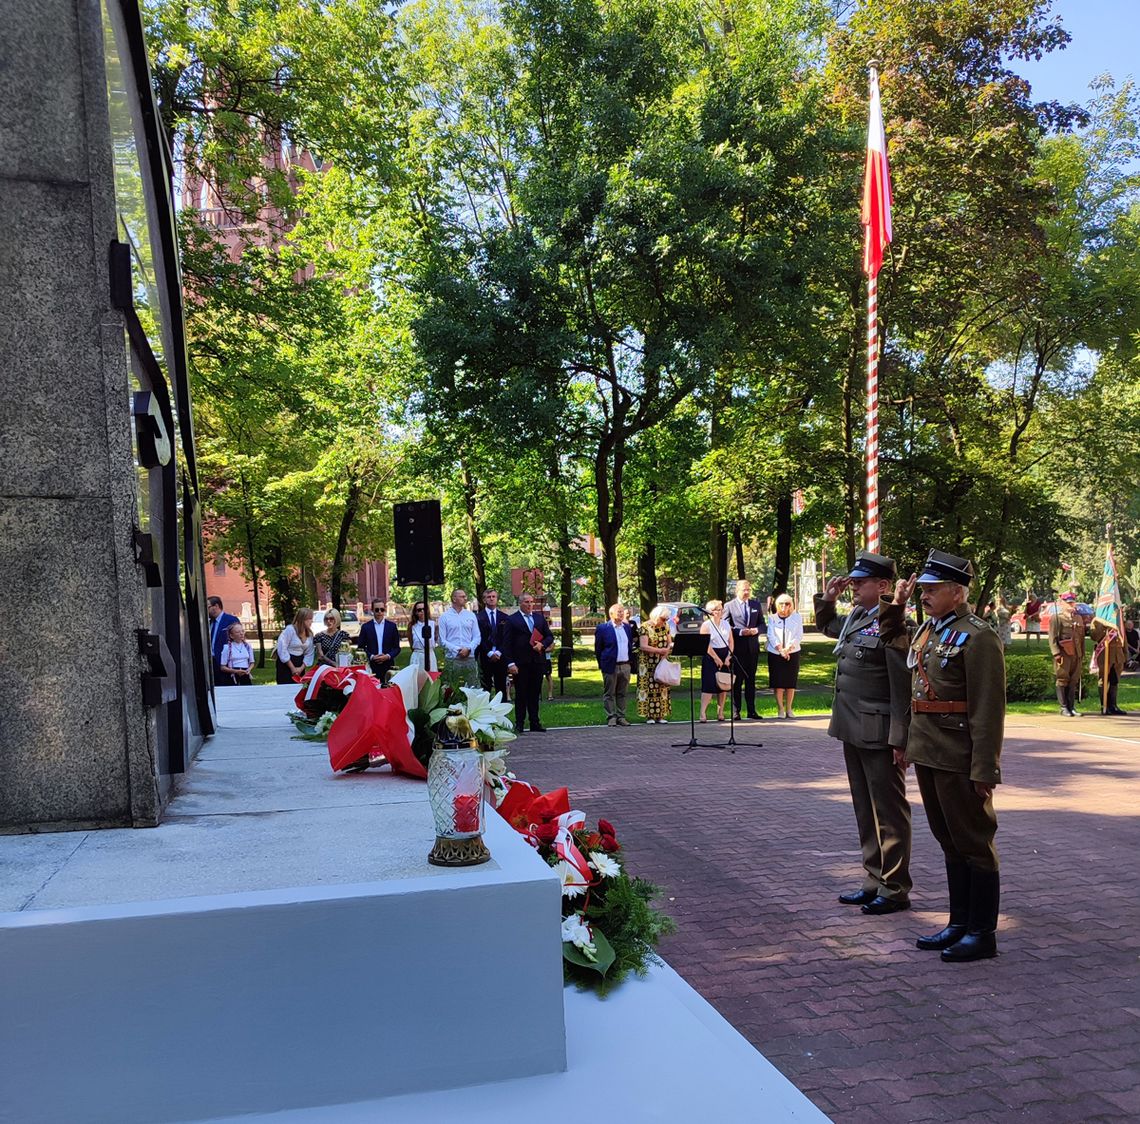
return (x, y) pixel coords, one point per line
(458, 632)
(613, 644)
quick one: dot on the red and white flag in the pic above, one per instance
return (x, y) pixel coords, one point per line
(876, 188)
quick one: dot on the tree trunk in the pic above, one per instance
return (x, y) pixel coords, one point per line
(248, 516)
(718, 561)
(647, 579)
(470, 496)
(348, 517)
(738, 547)
(610, 506)
(993, 570)
(783, 544)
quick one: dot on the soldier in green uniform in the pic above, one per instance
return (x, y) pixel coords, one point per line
(1067, 643)
(957, 716)
(868, 716)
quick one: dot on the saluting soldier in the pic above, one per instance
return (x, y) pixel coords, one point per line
(869, 717)
(1067, 643)
(957, 716)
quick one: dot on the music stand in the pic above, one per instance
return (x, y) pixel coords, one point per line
(735, 668)
(693, 644)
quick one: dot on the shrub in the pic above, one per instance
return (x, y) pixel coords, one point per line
(1029, 677)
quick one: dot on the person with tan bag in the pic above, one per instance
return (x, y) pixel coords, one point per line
(716, 667)
(653, 699)
(1067, 643)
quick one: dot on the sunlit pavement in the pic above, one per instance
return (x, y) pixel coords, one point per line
(753, 847)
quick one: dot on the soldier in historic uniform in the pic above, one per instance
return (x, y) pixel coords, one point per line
(957, 716)
(868, 717)
(1067, 643)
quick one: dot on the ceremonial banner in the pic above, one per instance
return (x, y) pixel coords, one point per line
(1108, 607)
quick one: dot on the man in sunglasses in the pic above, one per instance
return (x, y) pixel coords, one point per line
(380, 639)
(956, 724)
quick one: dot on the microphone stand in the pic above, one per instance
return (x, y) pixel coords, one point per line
(692, 743)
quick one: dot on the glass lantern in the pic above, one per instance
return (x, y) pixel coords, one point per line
(455, 792)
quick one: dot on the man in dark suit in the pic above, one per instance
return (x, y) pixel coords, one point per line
(526, 659)
(869, 717)
(220, 622)
(492, 662)
(746, 617)
(613, 647)
(380, 639)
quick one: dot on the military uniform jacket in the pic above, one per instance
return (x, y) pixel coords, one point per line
(963, 662)
(1065, 627)
(871, 681)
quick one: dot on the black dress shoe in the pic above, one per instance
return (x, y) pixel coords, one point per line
(756, 717)
(973, 946)
(1117, 710)
(944, 939)
(886, 905)
(736, 716)
(858, 897)
(539, 729)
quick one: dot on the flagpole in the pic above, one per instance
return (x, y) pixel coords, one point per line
(876, 219)
(871, 522)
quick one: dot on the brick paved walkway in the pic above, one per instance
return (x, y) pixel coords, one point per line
(752, 849)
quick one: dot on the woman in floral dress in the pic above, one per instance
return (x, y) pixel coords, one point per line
(653, 702)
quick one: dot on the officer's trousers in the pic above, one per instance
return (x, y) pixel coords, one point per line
(963, 823)
(882, 813)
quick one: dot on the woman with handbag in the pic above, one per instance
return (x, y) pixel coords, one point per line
(657, 673)
(785, 638)
(716, 676)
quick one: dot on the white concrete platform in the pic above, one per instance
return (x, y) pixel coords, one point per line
(279, 949)
(280, 941)
(653, 1052)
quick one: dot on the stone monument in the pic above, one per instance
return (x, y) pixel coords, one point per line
(105, 691)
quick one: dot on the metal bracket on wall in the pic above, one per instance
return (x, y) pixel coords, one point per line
(158, 680)
(144, 557)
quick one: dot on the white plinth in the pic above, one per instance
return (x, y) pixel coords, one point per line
(279, 942)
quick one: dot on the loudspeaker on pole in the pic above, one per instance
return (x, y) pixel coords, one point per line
(419, 543)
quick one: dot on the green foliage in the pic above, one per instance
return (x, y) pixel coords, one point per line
(633, 928)
(1029, 677)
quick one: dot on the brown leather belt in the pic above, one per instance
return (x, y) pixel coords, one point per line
(938, 706)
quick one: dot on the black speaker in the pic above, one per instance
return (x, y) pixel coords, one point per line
(419, 543)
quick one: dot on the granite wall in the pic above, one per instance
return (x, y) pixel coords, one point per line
(76, 743)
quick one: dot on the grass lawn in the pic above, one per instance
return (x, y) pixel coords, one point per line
(581, 704)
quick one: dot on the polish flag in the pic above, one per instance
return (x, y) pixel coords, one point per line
(876, 188)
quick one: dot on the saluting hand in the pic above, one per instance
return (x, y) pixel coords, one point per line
(835, 587)
(905, 588)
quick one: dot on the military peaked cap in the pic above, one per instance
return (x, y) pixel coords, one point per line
(942, 567)
(868, 565)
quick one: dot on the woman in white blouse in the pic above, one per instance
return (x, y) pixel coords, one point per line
(785, 638)
(295, 647)
(416, 639)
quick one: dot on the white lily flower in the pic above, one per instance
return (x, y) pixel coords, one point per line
(488, 715)
(604, 865)
(575, 931)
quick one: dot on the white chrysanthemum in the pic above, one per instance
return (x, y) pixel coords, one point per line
(575, 931)
(573, 885)
(604, 865)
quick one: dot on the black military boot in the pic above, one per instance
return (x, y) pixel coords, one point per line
(1062, 700)
(958, 882)
(1112, 707)
(1071, 700)
(980, 941)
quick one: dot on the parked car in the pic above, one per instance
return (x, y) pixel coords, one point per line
(1017, 620)
(349, 621)
(684, 616)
